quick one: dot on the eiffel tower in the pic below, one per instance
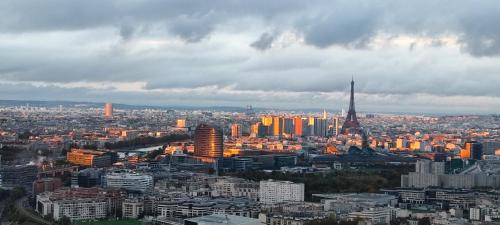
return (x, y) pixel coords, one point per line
(351, 124)
(351, 121)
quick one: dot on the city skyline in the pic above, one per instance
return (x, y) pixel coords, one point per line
(188, 112)
(406, 57)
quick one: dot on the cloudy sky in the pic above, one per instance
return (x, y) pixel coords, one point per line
(406, 56)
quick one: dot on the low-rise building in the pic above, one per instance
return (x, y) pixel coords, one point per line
(129, 181)
(89, 158)
(132, 208)
(235, 187)
(78, 203)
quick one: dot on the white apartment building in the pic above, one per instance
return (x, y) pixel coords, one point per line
(132, 208)
(80, 209)
(272, 192)
(129, 181)
(235, 187)
(377, 215)
(73, 208)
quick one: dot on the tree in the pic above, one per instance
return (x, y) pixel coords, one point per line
(424, 221)
(327, 221)
(400, 221)
(25, 135)
(65, 221)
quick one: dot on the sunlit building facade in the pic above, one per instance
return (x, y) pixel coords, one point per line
(297, 122)
(108, 109)
(208, 142)
(236, 130)
(89, 158)
(277, 126)
(472, 150)
(181, 123)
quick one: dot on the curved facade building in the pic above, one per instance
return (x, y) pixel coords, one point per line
(129, 181)
(208, 141)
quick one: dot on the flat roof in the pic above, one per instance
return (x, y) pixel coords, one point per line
(216, 219)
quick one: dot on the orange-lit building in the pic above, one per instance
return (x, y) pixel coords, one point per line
(181, 123)
(108, 110)
(254, 129)
(297, 121)
(236, 130)
(134, 160)
(331, 150)
(472, 150)
(464, 153)
(208, 142)
(311, 121)
(267, 120)
(90, 158)
(277, 126)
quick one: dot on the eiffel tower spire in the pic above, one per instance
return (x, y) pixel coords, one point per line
(351, 121)
(351, 124)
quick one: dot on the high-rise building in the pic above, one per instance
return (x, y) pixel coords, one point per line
(208, 141)
(267, 120)
(320, 127)
(108, 110)
(277, 126)
(288, 127)
(297, 122)
(490, 147)
(310, 126)
(236, 130)
(336, 125)
(254, 129)
(306, 128)
(472, 150)
(181, 123)
(263, 130)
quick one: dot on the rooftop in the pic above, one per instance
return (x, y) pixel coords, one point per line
(224, 219)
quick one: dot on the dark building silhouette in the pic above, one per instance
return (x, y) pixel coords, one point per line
(208, 141)
(320, 127)
(46, 184)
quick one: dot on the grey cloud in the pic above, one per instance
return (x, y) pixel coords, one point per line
(349, 27)
(264, 42)
(324, 23)
(338, 30)
(292, 72)
(192, 28)
(126, 31)
(481, 31)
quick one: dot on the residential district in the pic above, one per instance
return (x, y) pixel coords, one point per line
(84, 163)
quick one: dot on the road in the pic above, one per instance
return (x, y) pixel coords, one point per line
(28, 214)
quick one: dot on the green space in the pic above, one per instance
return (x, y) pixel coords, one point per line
(146, 141)
(369, 179)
